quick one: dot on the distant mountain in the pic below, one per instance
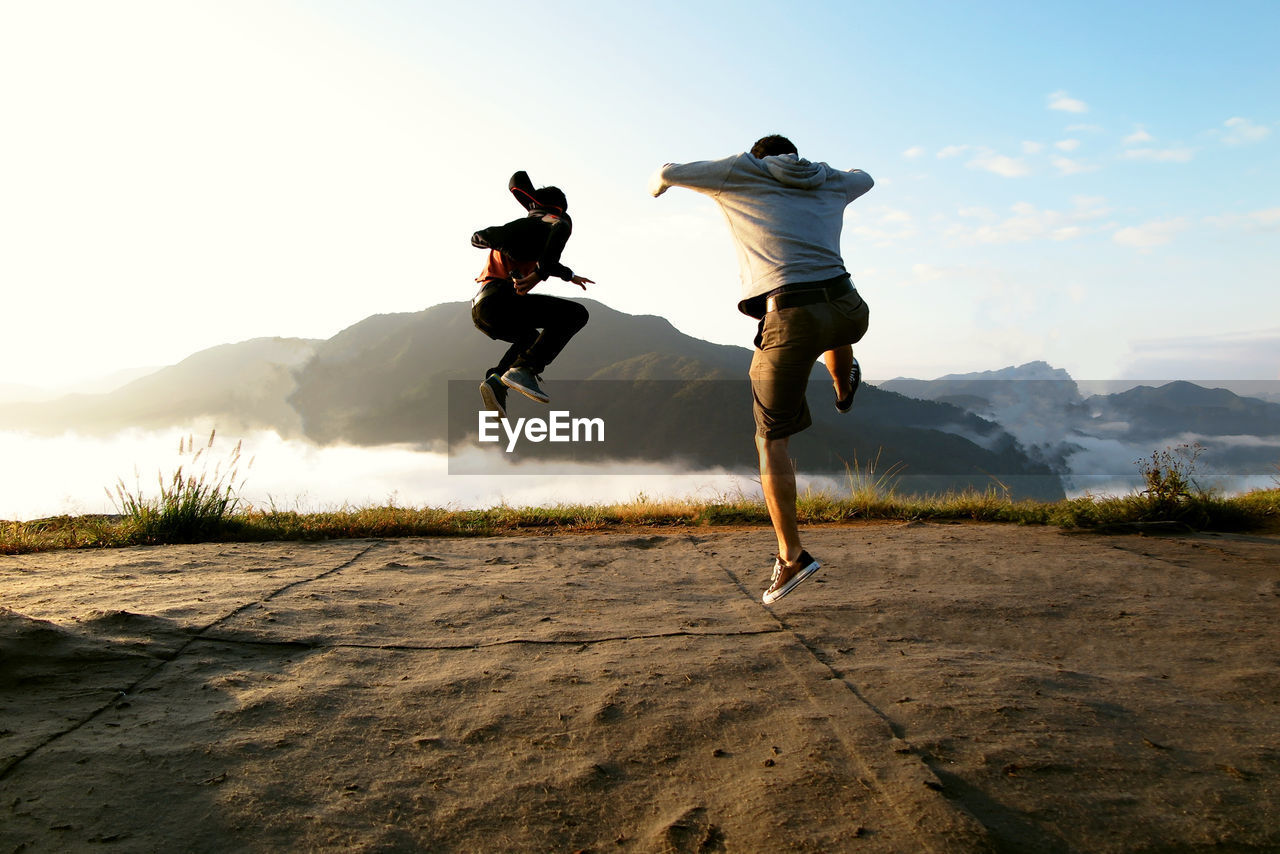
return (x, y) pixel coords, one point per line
(14, 393)
(1239, 435)
(385, 379)
(665, 396)
(411, 378)
(1147, 412)
(241, 386)
(1105, 433)
(1034, 401)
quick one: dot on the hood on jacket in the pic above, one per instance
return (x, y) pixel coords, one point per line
(793, 171)
(544, 199)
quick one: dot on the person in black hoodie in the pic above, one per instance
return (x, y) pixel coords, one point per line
(523, 253)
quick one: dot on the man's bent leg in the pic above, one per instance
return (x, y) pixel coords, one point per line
(839, 362)
(559, 319)
(500, 318)
(778, 480)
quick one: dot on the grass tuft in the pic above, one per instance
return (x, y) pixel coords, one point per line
(194, 503)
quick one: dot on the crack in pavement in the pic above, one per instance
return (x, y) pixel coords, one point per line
(921, 811)
(164, 660)
(397, 647)
(937, 822)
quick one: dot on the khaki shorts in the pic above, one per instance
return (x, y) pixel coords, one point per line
(789, 341)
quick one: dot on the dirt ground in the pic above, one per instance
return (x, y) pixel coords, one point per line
(933, 688)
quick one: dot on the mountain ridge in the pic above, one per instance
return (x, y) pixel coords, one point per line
(1079, 434)
(411, 378)
(666, 395)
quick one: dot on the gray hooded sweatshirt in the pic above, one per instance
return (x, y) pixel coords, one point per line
(784, 213)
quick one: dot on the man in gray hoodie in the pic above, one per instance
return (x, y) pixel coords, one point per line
(785, 216)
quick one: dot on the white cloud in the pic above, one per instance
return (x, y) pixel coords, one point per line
(1249, 356)
(1067, 144)
(1000, 164)
(1138, 137)
(952, 151)
(1150, 234)
(880, 225)
(1242, 131)
(1067, 166)
(984, 214)
(1026, 222)
(930, 272)
(913, 152)
(1060, 100)
(1094, 207)
(1032, 147)
(1265, 220)
(1160, 155)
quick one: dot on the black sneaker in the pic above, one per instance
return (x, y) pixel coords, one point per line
(523, 381)
(494, 395)
(844, 404)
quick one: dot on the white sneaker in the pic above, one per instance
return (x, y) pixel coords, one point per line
(806, 566)
(523, 381)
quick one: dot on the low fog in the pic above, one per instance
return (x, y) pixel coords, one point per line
(70, 474)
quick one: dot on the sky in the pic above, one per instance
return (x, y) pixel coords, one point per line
(1089, 184)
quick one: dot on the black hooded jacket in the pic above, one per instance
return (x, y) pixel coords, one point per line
(539, 237)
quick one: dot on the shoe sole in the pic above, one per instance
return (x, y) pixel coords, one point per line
(491, 402)
(540, 397)
(791, 584)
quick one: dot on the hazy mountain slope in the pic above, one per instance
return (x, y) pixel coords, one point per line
(239, 386)
(386, 378)
(1104, 434)
(1150, 412)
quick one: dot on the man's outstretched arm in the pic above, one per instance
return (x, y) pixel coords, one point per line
(856, 182)
(704, 176)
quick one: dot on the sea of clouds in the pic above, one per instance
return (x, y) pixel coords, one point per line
(78, 474)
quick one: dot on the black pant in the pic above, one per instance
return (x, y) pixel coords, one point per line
(504, 315)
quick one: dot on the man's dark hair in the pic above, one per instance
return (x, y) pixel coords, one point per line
(773, 144)
(551, 197)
